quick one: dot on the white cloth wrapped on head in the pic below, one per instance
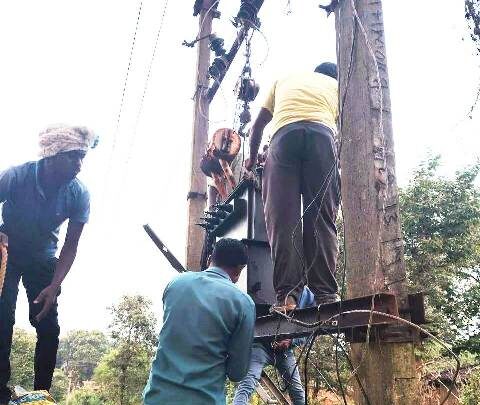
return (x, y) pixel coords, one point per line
(61, 139)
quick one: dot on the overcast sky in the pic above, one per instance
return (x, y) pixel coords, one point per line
(64, 61)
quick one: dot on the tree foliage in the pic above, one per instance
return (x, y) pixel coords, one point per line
(441, 225)
(122, 375)
(123, 371)
(470, 394)
(59, 387)
(133, 322)
(22, 363)
(86, 396)
(21, 358)
(472, 14)
(79, 353)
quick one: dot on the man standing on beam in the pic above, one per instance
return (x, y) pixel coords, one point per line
(301, 170)
(37, 198)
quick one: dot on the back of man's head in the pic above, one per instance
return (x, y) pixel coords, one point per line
(327, 68)
(230, 255)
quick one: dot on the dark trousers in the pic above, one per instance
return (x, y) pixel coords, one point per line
(299, 160)
(36, 275)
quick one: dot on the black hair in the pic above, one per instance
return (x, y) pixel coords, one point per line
(229, 253)
(327, 68)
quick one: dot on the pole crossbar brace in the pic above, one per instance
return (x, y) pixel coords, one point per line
(230, 56)
(328, 318)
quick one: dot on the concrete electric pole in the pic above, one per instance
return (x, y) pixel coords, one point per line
(374, 246)
(197, 195)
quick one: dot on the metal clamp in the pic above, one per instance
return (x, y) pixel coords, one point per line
(196, 194)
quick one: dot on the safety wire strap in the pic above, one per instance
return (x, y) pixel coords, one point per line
(3, 264)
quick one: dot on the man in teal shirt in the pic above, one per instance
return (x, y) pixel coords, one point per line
(206, 335)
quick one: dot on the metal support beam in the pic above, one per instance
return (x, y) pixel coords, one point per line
(331, 318)
(268, 385)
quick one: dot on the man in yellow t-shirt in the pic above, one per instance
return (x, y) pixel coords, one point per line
(301, 169)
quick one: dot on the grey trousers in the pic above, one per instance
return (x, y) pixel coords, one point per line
(301, 170)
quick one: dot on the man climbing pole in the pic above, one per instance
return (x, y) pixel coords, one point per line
(206, 335)
(37, 198)
(301, 168)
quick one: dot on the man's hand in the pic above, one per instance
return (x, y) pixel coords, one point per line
(3, 239)
(282, 345)
(250, 163)
(47, 296)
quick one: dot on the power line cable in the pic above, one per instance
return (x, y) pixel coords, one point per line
(122, 99)
(125, 82)
(145, 87)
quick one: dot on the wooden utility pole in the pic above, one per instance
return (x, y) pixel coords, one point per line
(374, 246)
(197, 195)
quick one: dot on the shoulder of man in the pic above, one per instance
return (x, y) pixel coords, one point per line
(236, 293)
(80, 197)
(325, 80)
(20, 171)
(245, 299)
(78, 187)
(187, 277)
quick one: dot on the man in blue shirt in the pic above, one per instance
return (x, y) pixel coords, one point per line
(37, 198)
(206, 335)
(280, 355)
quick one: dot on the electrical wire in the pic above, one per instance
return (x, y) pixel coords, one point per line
(337, 368)
(297, 361)
(267, 42)
(288, 8)
(325, 379)
(421, 330)
(386, 315)
(344, 398)
(145, 87)
(350, 364)
(342, 297)
(305, 364)
(256, 28)
(321, 192)
(130, 59)
(122, 102)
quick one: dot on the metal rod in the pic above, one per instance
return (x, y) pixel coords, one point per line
(168, 255)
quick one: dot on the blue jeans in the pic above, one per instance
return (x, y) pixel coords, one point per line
(285, 362)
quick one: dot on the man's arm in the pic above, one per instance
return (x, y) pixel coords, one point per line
(263, 118)
(67, 256)
(240, 345)
(7, 179)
